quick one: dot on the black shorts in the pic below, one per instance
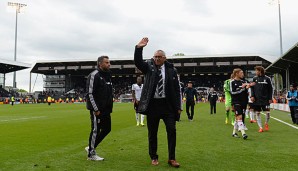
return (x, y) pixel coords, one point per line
(251, 106)
(262, 108)
(135, 105)
(238, 109)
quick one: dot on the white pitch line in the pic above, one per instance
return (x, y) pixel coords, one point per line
(18, 119)
(281, 121)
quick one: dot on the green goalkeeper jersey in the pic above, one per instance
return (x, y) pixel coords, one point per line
(228, 98)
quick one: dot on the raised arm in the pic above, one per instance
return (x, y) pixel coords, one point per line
(138, 55)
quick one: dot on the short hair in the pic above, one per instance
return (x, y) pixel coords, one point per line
(261, 69)
(100, 59)
(161, 51)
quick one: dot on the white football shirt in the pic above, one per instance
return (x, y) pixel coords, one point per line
(138, 90)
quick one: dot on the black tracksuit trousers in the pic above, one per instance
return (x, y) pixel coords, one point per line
(100, 128)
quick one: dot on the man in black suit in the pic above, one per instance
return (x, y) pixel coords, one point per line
(212, 98)
(160, 99)
(191, 96)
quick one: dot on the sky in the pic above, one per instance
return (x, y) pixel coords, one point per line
(76, 29)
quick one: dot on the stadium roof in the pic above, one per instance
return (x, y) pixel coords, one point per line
(7, 66)
(184, 64)
(289, 59)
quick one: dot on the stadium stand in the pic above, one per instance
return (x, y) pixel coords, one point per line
(3, 92)
(7, 66)
(287, 65)
(204, 71)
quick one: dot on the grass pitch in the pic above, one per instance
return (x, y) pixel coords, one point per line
(41, 137)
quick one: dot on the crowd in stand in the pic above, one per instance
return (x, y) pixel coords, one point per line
(120, 85)
(123, 86)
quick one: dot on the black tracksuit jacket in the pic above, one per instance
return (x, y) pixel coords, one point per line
(99, 92)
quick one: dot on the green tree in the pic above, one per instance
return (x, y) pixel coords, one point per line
(22, 91)
(179, 54)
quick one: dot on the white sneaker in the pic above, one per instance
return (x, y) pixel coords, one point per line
(95, 158)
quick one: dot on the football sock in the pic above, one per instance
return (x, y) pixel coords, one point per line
(241, 126)
(227, 113)
(235, 127)
(137, 117)
(267, 117)
(227, 116)
(252, 115)
(246, 113)
(232, 116)
(142, 119)
(259, 120)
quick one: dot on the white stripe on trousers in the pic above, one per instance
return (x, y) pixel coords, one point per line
(94, 134)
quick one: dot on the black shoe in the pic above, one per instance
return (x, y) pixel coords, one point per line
(244, 136)
(235, 135)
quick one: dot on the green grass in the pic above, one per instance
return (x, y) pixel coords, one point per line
(42, 137)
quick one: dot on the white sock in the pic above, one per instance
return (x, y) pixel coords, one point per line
(246, 112)
(142, 119)
(235, 127)
(259, 120)
(241, 126)
(137, 117)
(267, 117)
(252, 115)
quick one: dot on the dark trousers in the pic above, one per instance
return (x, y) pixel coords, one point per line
(158, 110)
(293, 112)
(190, 104)
(212, 107)
(100, 128)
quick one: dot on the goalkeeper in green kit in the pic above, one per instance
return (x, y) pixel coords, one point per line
(230, 116)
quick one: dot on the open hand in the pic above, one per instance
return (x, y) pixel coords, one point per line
(143, 42)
